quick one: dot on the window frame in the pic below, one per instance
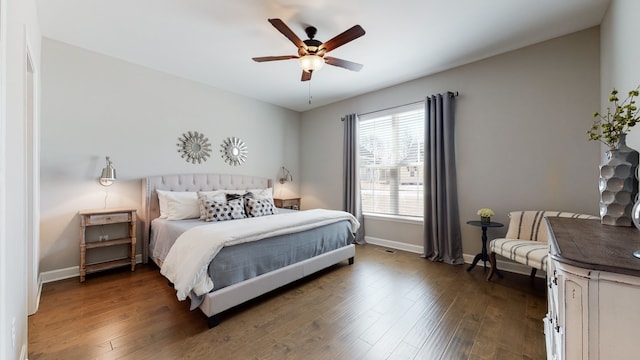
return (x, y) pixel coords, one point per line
(397, 156)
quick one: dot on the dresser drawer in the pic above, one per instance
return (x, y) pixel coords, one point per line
(101, 219)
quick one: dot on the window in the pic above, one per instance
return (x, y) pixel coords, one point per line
(392, 161)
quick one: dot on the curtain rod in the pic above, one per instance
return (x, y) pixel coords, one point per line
(455, 93)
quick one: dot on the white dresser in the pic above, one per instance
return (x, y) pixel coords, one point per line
(593, 291)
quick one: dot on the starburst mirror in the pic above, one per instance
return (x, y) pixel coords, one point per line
(234, 151)
(194, 146)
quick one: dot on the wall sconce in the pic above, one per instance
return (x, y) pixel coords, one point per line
(286, 176)
(108, 174)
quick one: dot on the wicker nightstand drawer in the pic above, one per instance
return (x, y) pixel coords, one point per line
(102, 219)
(289, 203)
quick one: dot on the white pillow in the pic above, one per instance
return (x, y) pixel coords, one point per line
(262, 194)
(179, 205)
(162, 202)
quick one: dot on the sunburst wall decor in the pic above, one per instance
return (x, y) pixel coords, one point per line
(194, 146)
(234, 151)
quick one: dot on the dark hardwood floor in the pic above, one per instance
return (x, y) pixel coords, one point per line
(388, 305)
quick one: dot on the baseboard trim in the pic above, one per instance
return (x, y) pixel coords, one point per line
(23, 352)
(74, 271)
(394, 245)
(60, 274)
(67, 273)
(468, 259)
(38, 294)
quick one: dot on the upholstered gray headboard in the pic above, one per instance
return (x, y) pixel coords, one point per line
(188, 182)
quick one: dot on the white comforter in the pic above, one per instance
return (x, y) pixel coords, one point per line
(187, 262)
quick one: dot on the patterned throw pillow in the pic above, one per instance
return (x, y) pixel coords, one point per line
(255, 208)
(219, 211)
(214, 195)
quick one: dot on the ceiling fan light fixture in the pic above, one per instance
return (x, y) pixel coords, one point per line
(311, 62)
(311, 52)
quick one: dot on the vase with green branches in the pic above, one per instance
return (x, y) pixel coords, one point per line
(618, 183)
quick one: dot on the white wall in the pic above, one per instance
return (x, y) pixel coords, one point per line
(521, 138)
(21, 25)
(620, 54)
(94, 105)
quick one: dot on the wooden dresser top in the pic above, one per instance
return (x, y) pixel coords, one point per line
(589, 244)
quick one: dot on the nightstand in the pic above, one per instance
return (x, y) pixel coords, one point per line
(287, 203)
(123, 218)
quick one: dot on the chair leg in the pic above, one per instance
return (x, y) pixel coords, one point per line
(494, 265)
(533, 274)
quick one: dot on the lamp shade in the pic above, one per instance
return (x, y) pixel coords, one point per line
(311, 62)
(108, 174)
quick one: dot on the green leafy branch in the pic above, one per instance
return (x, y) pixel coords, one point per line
(619, 119)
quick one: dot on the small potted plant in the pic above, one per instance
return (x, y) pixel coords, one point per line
(485, 215)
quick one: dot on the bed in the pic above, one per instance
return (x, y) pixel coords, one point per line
(241, 270)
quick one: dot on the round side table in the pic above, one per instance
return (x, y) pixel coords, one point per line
(483, 255)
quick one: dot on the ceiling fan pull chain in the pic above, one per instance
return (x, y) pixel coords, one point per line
(309, 92)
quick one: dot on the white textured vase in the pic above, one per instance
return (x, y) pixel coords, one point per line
(630, 155)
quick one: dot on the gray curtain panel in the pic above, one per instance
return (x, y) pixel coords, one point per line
(352, 200)
(442, 236)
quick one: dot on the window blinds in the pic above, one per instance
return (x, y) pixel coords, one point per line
(392, 160)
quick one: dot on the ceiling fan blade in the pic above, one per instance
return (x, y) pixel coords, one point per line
(273, 58)
(306, 76)
(343, 63)
(284, 29)
(341, 39)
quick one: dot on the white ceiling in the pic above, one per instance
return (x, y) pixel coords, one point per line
(213, 41)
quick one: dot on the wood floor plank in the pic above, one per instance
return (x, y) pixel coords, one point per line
(474, 310)
(403, 351)
(388, 305)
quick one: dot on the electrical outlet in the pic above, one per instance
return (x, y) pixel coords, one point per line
(103, 237)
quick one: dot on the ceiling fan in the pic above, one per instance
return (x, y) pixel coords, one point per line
(311, 52)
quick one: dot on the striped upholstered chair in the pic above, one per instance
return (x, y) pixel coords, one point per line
(526, 241)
